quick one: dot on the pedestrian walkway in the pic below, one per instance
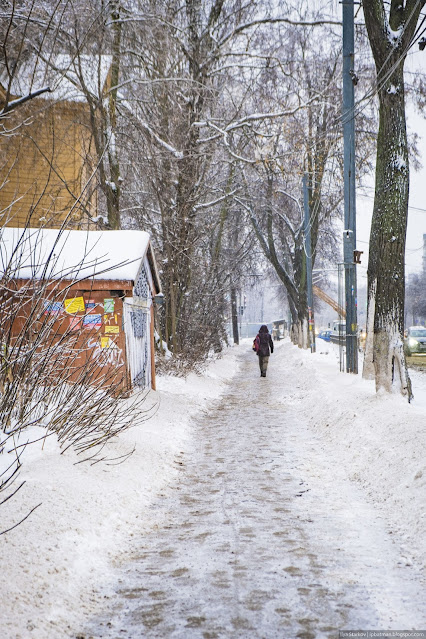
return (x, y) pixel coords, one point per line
(257, 539)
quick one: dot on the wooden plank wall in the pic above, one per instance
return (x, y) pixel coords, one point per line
(89, 325)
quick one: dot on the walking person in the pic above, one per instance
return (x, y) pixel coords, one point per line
(264, 346)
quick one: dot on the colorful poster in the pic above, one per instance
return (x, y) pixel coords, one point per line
(75, 323)
(75, 305)
(92, 321)
(53, 307)
(90, 304)
(112, 329)
(108, 305)
(106, 342)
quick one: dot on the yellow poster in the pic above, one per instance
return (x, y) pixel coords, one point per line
(75, 305)
(106, 342)
(112, 329)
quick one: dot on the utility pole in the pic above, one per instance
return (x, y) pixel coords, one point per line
(349, 233)
(308, 254)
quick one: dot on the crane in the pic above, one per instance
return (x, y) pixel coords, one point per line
(329, 300)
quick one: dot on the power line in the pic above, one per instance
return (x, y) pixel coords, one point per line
(371, 197)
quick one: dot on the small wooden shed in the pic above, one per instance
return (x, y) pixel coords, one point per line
(99, 286)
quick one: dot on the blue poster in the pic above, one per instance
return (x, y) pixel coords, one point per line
(92, 321)
(52, 307)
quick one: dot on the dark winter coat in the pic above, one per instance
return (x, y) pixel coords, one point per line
(266, 345)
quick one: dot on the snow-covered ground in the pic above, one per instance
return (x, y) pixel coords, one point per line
(381, 440)
(53, 563)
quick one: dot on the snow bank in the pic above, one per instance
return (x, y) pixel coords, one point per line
(379, 440)
(52, 563)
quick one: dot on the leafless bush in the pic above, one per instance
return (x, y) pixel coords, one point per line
(178, 365)
(50, 374)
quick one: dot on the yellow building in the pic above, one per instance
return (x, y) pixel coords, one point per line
(46, 147)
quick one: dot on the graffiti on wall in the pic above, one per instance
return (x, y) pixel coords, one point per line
(106, 351)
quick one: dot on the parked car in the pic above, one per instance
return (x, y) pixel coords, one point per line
(415, 341)
(338, 333)
(325, 335)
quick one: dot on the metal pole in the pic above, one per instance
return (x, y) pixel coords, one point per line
(308, 253)
(349, 234)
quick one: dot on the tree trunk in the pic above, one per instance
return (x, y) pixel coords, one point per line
(386, 268)
(293, 328)
(112, 187)
(234, 314)
(386, 271)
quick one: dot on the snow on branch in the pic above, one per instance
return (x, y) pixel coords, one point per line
(154, 136)
(206, 205)
(284, 217)
(269, 250)
(19, 101)
(177, 154)
(394, 36)
(224, 133)
(209, 139)
(235, 155)
(286, 221)
(246, 121)
(254, 117)
(295, 23)
(256, 227)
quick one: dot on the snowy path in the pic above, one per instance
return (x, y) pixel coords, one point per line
(262, 536)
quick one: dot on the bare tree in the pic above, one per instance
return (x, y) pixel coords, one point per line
(292, 129)
(16, 26)
(196, 92)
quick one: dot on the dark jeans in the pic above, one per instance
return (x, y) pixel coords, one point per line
(263, 363)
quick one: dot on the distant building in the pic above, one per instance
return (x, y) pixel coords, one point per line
(47, 150)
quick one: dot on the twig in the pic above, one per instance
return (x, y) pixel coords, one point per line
(3, 532)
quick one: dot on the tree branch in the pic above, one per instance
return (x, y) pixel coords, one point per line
(295, 23)
(206, 205)
(20, 101)
(3, 532)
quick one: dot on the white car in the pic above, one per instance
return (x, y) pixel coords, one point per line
(415, 341)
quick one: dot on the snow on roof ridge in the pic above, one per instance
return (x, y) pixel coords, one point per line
(59, 72)
(69, 254)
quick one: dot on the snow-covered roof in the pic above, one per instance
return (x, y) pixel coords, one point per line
(62, 74)
(72, 255)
